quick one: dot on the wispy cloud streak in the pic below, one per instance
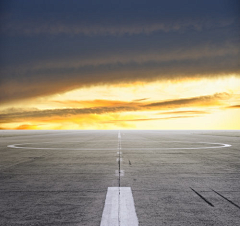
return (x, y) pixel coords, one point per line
(12, 115)
(151, 119)
(115, 29)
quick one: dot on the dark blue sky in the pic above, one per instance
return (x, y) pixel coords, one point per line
(53, 46)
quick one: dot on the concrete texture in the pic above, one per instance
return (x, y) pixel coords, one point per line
(176, 177)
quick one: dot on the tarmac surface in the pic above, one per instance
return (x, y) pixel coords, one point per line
(176, 177)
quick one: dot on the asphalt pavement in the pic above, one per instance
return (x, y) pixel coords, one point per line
(170, 177)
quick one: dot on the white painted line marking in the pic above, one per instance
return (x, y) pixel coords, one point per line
(119, 135)
(60, 148)
(118, 159)
(119, 209)
(221, 145)
(119, 152)
(121, 173)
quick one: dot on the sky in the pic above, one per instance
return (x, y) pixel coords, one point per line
(120, 64)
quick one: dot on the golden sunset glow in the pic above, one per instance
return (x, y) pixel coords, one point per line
(193, 104)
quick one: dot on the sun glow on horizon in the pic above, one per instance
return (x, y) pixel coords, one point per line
(193, 104)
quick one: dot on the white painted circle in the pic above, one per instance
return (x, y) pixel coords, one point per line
(217, 145)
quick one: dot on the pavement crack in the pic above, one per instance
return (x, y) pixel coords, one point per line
(226, 199)
(203, 198)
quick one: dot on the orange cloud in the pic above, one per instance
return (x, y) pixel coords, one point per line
(27, 127)
(91, 103)
(234, 106)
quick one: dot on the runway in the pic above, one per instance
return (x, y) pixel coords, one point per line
(147, 178)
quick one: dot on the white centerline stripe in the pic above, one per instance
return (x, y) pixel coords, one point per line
(121, 173)
(120, 159)
(119, 214)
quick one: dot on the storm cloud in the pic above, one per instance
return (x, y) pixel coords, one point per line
(50, 47)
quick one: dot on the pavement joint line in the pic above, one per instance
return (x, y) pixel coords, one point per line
(119, 190)
(119, 169)
(102, 190)
(119, 162)
(56, 191)
(226, 199)
(203, 198)
(119, 208)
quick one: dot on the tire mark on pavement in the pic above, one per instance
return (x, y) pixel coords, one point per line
(209, 203)
(226, 199)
